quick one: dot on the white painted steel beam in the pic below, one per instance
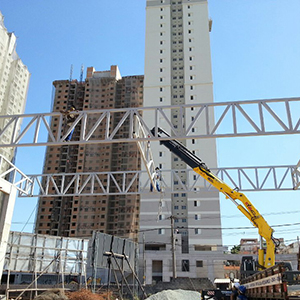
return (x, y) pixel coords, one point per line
(145, 151)
(15, 177)
(232, 119)
(268, 178)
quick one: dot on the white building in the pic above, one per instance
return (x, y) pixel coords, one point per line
(14, 82)
(291, 248)
(178, 71)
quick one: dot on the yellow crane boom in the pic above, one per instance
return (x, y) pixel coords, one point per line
(238, 198)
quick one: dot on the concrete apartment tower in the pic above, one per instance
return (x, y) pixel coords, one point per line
(178, 71)
(14, 82)
(78, 216)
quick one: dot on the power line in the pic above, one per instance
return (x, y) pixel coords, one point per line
(218, 228)
(228, 216)
(202, 218)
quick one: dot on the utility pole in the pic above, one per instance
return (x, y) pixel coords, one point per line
(298, 253)
(144, 261)
(173, 247)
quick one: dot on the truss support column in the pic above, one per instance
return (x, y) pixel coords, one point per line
(7, 202)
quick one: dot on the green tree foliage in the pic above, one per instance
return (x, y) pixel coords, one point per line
(235, 249)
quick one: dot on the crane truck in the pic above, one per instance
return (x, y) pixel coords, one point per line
(263, 279)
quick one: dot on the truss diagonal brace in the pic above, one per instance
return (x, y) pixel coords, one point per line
(213, 120)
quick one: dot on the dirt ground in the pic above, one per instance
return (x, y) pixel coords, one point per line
(88, 295)
(78, 295)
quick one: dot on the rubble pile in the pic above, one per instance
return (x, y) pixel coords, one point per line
(88, 295)
(55, 294)
(175, 295)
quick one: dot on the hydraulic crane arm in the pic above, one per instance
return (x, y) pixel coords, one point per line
(238, 198)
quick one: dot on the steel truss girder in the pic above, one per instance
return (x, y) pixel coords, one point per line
(268, 178)
(231, 119)
(9, 172)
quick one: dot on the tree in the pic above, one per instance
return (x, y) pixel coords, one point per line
(235, 249)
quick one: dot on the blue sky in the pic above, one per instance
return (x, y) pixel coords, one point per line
(255, 48)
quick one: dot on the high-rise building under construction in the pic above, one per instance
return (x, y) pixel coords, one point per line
(178, 72)
(78, 216)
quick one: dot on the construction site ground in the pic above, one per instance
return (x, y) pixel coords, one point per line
(180, 288)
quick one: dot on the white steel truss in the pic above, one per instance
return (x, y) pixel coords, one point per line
(145, 151)
(16, 177)
(268, 178)
(232, 119)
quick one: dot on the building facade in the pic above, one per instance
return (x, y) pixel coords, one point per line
(177, 72)
(14, 83)
(78, 216)
(249, 246)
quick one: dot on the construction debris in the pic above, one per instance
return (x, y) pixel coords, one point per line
(88, 295)
(56, 294)
(176, 295)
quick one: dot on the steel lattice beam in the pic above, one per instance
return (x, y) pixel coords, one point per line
(269, 178)
(232, 119)
(16, 177)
